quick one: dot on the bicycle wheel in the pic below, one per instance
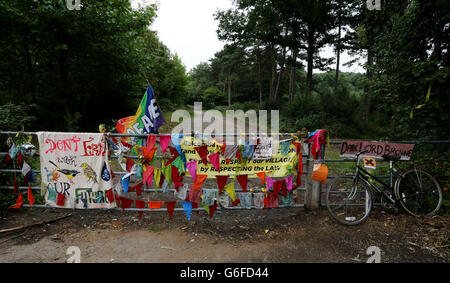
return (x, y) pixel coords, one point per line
(349, 201)
(419, 193)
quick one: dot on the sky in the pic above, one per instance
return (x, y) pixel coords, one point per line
(188, 28)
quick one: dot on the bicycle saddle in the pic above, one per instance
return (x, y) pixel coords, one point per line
(391, 157)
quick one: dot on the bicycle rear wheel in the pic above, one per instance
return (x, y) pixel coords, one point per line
(419, 193)
(349, 201)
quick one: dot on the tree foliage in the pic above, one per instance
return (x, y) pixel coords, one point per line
(82, 68)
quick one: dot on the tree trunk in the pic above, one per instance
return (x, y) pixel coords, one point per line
(272, 73)
(309, 73)
(259, 79)
(280, 74)
(368, 90)
(338, 57)
(229, 92)
(292, 77)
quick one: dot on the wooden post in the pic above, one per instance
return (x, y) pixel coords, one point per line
(313, 188)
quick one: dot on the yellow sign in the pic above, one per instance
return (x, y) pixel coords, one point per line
(278, 165)
(370, 163)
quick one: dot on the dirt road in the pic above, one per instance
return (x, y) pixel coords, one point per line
(272, 235)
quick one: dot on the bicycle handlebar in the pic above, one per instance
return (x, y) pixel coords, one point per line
(362, 152)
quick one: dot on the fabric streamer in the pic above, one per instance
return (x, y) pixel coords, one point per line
(125, 183)
(118, 201)
(19, 201)
(192, 169)
(187, 206)
(214, 159)
(182, 192)
(270, 182)
(140, 204)
(246, 200)
(287, 200)
(157, 177)
(209, 196)
(277, 187)
(205, 207)
(194, 195)
(170, 205)
(165, 187)
(224, 200)
(148, 175)
(273, 200)
(31, 200)
(138, 173)
(221, 181)
(230, 190)
(151, 141)
(259, 200)
(212, 209)
(29, 178)
(51, 195)
(13, 151)
(199, 181)
(167, 172)
(25, 168)
(288, 181)
(61, 198)
(137, 188)
(20, 159)
(164, 142)
(195, 205)
(176, 142)
(110, 195)
(283, 188)
(126, 203)
(285, 147)
(178, 163)
(202, 151)
(242, 179)
(174, 153)
(155, 204)
(176, 177)
(129, 164)
(262, 176)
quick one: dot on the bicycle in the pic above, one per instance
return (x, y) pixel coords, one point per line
(349, 197)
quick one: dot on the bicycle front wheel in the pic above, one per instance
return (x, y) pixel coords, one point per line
(349, 201)
(419, 193)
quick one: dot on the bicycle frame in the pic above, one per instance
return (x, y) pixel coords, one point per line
(364, 175)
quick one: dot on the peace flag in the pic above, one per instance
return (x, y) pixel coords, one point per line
(147, 120)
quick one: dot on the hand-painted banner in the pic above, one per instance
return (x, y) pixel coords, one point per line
(276, 166)
(147, 120)
(350, 148)
(75, 165)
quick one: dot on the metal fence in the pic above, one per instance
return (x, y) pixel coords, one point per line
(308, 194)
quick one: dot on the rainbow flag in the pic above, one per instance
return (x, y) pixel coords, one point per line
(147, 120)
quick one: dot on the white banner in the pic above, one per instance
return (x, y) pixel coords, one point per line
(76, 166)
